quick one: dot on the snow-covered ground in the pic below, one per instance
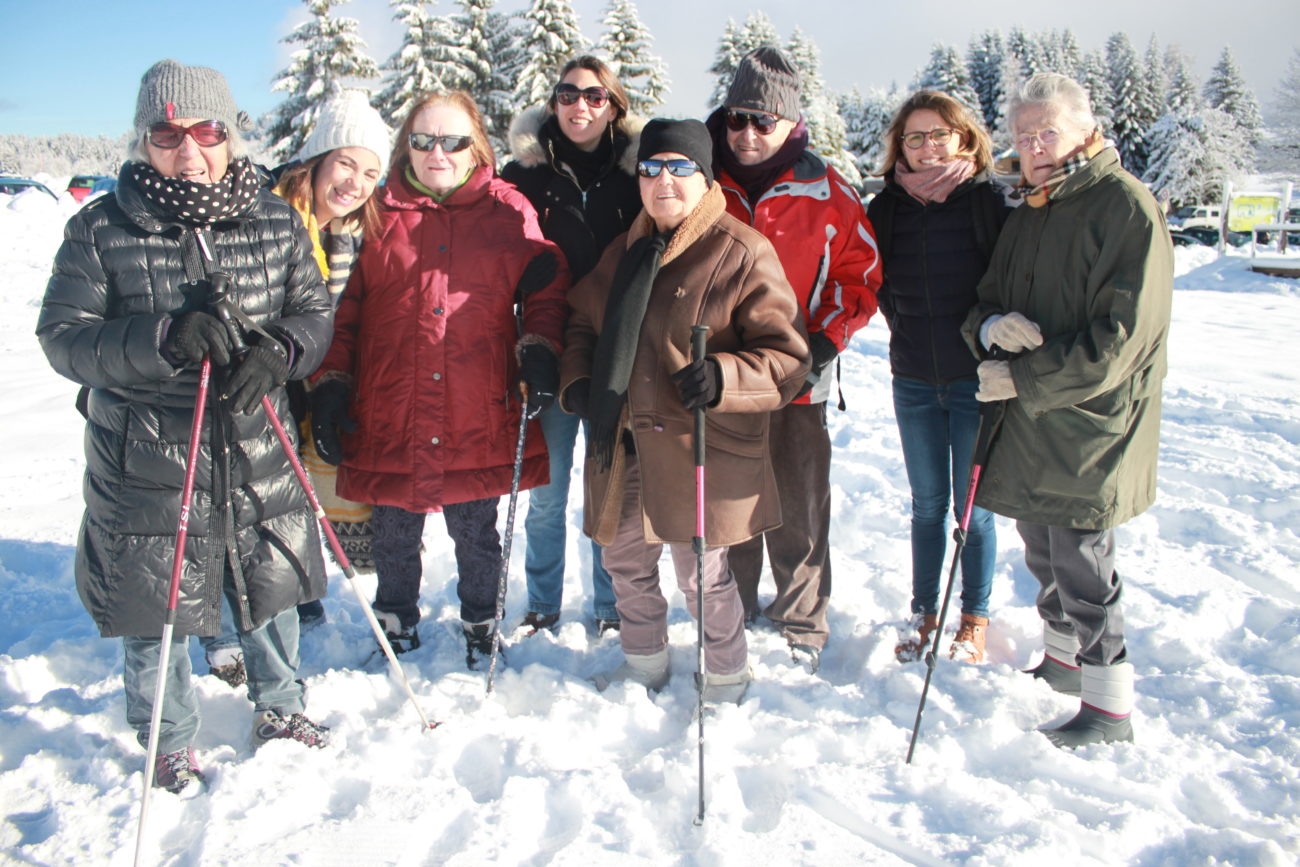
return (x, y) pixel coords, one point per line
(809, 769)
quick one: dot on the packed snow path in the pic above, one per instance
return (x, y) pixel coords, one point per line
(809, 769)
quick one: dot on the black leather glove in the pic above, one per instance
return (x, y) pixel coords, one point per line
(822, 349)
(196, 334)
(539, 371)
(577, 397)
(329, 416)
(698, 383)
(539, 272)
(264, 367)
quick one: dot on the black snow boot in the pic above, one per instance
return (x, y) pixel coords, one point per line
(1091, 726)
(1063, 678)
(402, 638)
(534, 622)
(478, 644)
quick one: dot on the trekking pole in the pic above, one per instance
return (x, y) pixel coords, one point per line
(173, 593)
(228, 315)
(699, 333)
(510, 531)
(990, 419)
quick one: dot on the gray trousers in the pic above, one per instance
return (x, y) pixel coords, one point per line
(1079, 588)
(799, 550)
(634, 565)
(270, 657)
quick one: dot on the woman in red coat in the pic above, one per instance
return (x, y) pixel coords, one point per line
(418, 398)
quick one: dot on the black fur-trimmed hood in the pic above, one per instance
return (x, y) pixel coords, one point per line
(527, 149)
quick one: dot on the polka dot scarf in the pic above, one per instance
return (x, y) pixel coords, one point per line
(200, 204)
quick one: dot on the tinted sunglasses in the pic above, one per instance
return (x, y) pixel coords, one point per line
(568, 94)
(938, 135)
(679, 168)
(423, 141)
(763, 123)
(205, 133)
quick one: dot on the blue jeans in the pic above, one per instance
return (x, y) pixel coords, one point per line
(270, 657)
(938, 425)
(545, 527)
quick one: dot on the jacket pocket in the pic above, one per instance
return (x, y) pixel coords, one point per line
(739, 433)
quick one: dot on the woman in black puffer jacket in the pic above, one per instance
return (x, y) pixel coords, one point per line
(574, 158)
(936, 223)
(126, 314)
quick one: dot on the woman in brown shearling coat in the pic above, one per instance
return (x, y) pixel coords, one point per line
(626, 367)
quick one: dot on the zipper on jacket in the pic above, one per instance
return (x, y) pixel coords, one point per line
(925, 281)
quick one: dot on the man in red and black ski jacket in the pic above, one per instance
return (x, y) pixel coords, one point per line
(817, 224)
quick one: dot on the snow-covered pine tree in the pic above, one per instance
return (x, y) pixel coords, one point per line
(1071, 57)
(947, 72)
(1226, 89)
(1156, 79)
(758, 31)
(332, 54)
(626, 46)
(1284, 120)
(552, 37)
(477, 67)
(827, 135)
(984, 60)
(866, 118)
(411, 69)
(506, 49)
(1024, 49)
(1092, 75)
(1050, 55)
(1128, 109)
(724, 63)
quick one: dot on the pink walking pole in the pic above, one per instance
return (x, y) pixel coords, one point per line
(699, 334)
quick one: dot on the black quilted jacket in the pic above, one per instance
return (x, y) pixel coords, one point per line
(119, 275)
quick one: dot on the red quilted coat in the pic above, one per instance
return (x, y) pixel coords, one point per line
(426, 334)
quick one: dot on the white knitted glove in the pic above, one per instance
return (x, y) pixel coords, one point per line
(995, 381)
(1013, 332)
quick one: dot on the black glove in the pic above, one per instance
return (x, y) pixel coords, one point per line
(539, 371)
(539, 271)
(329, 416)
(823, 351)
(264, 367)
(196, 334)
(698, 383)
(577, 397)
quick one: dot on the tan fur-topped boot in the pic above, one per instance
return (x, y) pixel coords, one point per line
(968, 643)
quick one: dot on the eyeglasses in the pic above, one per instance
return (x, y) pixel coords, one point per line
(677, 168)
(938, 135)
(763, 123)
(423, 141)
(568, 94)
(206, 133)
(1045, 137)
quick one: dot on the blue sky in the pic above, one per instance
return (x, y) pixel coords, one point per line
(75, 65)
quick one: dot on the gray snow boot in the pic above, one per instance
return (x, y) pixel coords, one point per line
(651, 671)
(724, 688)
(1058, 668)
(1105, 709)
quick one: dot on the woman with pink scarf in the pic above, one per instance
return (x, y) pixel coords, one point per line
(936, 223)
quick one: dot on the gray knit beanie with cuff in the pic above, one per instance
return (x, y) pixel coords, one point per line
(348, 120)
(766, 81)
(171, 90)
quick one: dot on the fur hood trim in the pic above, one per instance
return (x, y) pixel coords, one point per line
(526, 144)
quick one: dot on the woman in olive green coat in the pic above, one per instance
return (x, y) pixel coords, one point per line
(1079, 292)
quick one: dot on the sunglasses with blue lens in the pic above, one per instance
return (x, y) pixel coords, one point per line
(679, 168)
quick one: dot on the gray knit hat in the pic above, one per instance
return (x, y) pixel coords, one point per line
(348, 120)
(767, 81)
(170, 90)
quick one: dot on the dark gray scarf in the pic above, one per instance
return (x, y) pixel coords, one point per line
(611, 367)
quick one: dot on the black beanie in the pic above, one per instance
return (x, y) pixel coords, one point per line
(689, 138)
(765, 81)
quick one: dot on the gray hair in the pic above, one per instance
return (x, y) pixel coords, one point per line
(235, 143)
(1063, 94)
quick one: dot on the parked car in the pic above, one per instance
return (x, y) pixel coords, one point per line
(81, 185)
(13, 186)
(1183, 239)
(1190, 216)
(1210, 235)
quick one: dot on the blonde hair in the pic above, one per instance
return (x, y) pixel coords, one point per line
(480, 146)
(975, 142)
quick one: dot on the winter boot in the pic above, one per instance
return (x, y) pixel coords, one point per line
(806, 655)
(968, 644)
(478, 644)
(651, 671)
(310, 615)
(179, 773)
(1105, 709)
(1057, 668)
(227, 664)
(912, 649)
(534, 622)
(723, 688)
(269, 725)
(403, 638)
(607, 626)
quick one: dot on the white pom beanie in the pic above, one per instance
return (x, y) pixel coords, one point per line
(347, 120)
